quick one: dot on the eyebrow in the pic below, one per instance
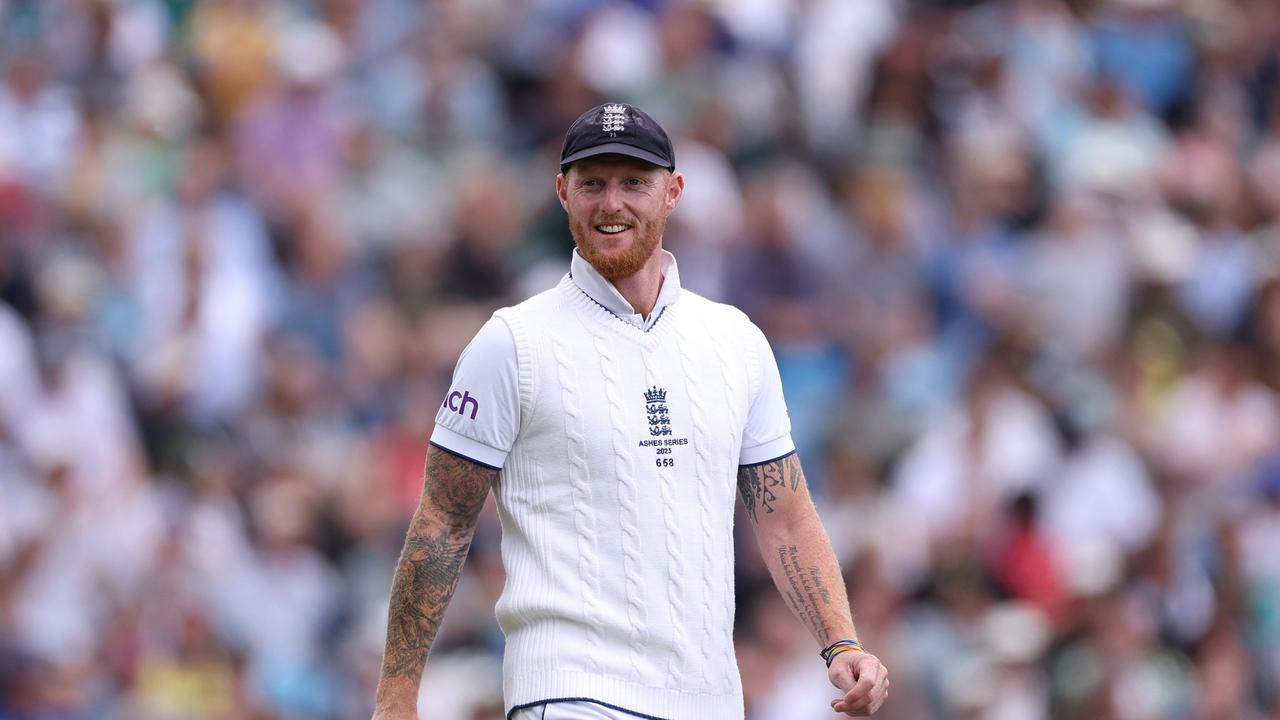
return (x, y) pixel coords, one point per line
(584, 176)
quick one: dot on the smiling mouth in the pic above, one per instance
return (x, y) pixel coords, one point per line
(612, 229)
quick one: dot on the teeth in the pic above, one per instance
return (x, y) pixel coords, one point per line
(611, 228)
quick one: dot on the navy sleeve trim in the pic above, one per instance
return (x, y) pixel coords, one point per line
(545, 703)
(455, 453)
(766, 462)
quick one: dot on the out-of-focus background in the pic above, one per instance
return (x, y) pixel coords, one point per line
(1019, 261)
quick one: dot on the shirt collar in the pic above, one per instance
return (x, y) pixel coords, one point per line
(602, 291)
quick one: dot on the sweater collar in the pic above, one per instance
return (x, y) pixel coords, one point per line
(596, 287)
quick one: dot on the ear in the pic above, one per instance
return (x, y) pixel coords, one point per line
(562, 191)
(675, 190)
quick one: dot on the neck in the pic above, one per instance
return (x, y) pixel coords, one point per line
(641, 289)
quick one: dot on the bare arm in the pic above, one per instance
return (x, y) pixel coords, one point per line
(795, 547)
(436, 546)
(798, 553)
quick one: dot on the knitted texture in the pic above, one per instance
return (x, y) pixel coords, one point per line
(583, 521)
(617, 510)
(702, 440)
(677, 571)
(733, 409)
(523, 477)
(628, 494)
(528, 380)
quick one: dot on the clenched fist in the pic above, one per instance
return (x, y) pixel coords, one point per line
(864, 680)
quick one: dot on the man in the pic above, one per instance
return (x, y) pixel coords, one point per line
(609, 415)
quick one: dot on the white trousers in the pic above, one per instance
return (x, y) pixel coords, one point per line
(573, 710)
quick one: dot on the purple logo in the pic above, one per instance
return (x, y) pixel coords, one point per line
(457, 402)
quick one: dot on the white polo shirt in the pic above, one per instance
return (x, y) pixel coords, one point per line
(487, 376)
(619, 439)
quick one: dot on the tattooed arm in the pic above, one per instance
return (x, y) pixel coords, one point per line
(795, 547)
(798, 553)
(439, 537)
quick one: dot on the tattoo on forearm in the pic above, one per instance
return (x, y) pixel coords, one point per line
(425, 580)
(807, 595)
(758, 484)
(436, 546)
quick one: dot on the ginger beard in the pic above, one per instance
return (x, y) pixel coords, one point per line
(614, 264)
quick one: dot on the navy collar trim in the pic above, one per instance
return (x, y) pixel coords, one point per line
(615, 315)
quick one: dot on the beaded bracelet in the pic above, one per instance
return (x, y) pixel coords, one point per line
(840, 646)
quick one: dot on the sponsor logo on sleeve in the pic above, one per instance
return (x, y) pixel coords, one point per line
(459, 402)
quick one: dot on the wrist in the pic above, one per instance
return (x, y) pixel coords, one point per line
(396, 698)
(839, 647)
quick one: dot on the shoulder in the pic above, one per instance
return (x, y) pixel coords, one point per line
(537, 306)
(718, 314)
(695, 303)
(492, 349)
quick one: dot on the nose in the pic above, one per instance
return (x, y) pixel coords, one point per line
(612, 201)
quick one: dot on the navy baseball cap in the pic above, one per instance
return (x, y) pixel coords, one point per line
(617, 129)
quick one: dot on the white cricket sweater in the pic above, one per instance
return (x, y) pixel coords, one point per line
(619, 449)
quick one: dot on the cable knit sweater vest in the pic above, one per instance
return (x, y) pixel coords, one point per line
(617, 505)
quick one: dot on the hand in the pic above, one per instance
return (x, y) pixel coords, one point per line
(864, 680)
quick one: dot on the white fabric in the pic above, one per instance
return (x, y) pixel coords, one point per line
(572, 710)
(603, 291)
(488, 371)
(473, 450)
(619, 450)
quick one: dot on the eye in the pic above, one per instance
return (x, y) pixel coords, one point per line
(635, 182)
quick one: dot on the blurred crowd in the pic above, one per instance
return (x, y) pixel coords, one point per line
(1019, 261)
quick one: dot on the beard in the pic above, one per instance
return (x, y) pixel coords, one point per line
(618, 264)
